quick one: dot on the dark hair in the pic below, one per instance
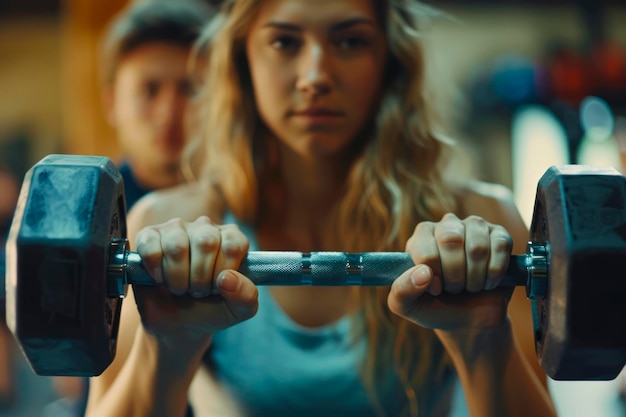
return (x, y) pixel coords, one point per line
(143, 21)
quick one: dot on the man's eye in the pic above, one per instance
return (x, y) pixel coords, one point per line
(188, 88)
(152, 89)
(284, 43)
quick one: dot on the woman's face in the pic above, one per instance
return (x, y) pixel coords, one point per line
(316, 69)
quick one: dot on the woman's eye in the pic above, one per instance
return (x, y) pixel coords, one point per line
(353, 43)
(284, 43)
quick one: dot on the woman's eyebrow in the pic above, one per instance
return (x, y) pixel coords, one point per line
(344, 24)
(348, 23)
(282, 25)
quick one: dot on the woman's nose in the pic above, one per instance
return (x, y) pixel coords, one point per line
(315, 73)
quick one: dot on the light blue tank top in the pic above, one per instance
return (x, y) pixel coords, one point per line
(275, 367)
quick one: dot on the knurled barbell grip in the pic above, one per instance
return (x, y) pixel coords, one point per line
(315, 268)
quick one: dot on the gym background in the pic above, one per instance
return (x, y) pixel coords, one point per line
(526, 84)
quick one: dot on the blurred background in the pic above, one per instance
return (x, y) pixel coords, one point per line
(524, 84)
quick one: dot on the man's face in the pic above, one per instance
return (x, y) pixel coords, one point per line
(147, 104)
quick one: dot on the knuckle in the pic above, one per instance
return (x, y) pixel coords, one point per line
(502, 244)
(233, 249)
(146, 247)
(449, 217)
(423, 226)
(204, 220)
(451, 238)
(232, 232)
(477, 250)
(207, 242)
(476, 220)
(175, 247)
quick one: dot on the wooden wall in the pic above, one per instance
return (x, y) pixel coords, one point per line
(85, 127)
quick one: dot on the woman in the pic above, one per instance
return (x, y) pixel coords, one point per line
(320, 138)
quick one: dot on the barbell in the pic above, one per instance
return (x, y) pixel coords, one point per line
(68, 262)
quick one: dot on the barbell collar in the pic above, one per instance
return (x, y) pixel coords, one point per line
(538, 255)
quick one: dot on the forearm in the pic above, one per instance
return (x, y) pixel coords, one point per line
(496, 378)
(153, 382)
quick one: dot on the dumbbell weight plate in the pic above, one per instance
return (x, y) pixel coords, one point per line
(60, 229)
(580, 330)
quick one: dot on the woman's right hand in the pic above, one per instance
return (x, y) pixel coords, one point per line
(200, 291)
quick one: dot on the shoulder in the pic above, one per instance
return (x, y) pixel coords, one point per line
(496, 204)
(486, 199)
(186, 201)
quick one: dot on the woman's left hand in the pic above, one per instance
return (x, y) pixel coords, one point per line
(458, 266)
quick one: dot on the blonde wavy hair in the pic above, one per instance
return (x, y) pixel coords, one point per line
(395, 181)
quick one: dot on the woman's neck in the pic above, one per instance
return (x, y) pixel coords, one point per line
(302, 199)
(312, 186)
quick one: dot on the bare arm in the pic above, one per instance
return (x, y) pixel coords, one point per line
(459, 261)
(209, 399)
(127, 386)
(495, 376)
(496, 205)
(151, 375)
(153, 381)
(523, 373)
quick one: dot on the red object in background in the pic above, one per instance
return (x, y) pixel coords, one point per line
(608, 68)
(571, 75)
(568, 76)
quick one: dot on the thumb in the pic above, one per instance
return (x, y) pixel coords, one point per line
(240, 294)
(408, 287)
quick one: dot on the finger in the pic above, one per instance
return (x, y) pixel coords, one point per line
(407, 288)
(477, 248)
(240, 294)
(148, 245)
(233, 248)
(423, 249)
(501, 247)
(175, 244)
(204, 240)
(450, 237)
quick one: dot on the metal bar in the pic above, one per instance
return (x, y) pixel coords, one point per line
(322, 268)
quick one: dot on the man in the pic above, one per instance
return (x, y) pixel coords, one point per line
(147, 85)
